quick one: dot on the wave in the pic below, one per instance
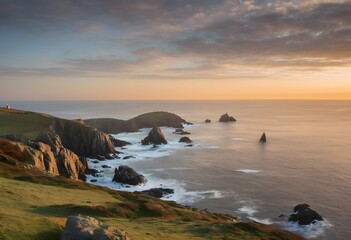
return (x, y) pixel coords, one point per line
(248, 171)
(308, 231)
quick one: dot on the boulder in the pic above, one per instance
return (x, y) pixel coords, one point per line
(154, 137)
(128, 175)
(185, 140)
(227, 118)
(180, 131)
(158, 192)
(85, 227)
(263, 138)
(304, 215)
(207, 120)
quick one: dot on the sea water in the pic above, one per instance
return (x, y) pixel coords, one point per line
(307, 157)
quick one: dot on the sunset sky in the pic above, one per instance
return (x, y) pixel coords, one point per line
(175, 49)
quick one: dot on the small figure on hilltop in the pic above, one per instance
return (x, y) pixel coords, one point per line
(8, 107)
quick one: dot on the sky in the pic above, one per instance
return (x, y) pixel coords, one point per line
(175, 49)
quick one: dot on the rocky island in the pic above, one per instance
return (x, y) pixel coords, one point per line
(43, 161)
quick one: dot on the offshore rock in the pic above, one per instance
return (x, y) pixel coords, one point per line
(263, 138)
(180, 131)
(154, 137)
(304, 215)
(185, 140)
(128, 175)
(226, 118)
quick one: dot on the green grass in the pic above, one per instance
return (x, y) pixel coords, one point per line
(25, 124)
(35, 206)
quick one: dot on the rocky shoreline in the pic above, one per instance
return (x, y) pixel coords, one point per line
(64, 147)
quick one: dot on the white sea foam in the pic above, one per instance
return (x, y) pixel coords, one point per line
(309, 231)
(248, 171)
(181, 194)
(140, 152)
(264, 221)
(249, 210)
(238, 139)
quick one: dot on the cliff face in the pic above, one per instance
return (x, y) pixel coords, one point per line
(56, 146)
(147, 120)
(83, 140)
(57, 160)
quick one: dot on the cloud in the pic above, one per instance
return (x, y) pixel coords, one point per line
(258, 38)
(181, 39)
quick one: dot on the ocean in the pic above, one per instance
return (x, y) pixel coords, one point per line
(307, 157)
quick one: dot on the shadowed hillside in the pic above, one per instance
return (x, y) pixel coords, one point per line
(147, 120)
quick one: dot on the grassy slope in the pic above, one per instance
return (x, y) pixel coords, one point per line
(25, 124)
(35, 206)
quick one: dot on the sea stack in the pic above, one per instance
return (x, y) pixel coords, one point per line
(263, 138)
(226, 118)
(155, 137)
(128, 175)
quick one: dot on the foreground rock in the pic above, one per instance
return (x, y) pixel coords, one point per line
(185, 140)
(147, 120)
(128, 175)
(180, 131)
(263, 138)
(227, 118)
(207, 120)
(158, 192)
(85, 227)
(304, 215)
(155, 137)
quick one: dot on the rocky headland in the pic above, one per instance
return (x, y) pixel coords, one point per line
(52, 144)
(147, 120)
(41, 159)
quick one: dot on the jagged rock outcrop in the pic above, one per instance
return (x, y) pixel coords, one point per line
(304, 215)
(263, 138)
(49, 157)
(147, 120)
(158, 192)
(57, 160)
(185, 140)
(180, 131)
(207, 120)
(83, 140)
(85, 227)
(128, 175)
(118, 143)
(226, 118)
(155, 137)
